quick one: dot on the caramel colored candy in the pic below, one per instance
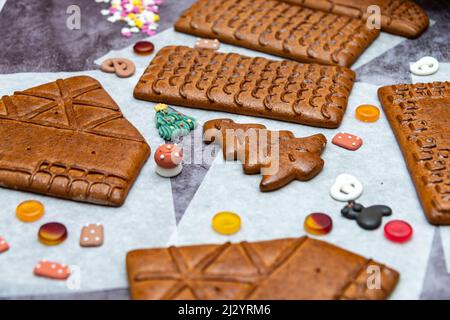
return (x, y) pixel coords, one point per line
(367, 113)
(52, 233)
(318, 224)
(29, 211)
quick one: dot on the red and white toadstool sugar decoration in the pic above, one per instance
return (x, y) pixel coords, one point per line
(4, 246)
(168, 159)
(168, 155)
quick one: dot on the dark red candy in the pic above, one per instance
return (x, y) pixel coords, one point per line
(52, 233)
(143, 47)
(398, 231)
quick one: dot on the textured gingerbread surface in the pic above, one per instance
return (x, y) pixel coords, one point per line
(401, 17)
(293, 268)
(279, 28)
(278, 155)
(302, 93)
(42, 39)
(419, 115)
(69, 139)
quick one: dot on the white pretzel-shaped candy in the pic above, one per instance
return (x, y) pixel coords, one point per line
(346, 188)
(425, 66)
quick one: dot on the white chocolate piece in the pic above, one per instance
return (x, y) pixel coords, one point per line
(346, 188)
(425, 66)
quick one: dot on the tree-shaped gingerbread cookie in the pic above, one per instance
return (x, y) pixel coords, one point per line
(278, 155)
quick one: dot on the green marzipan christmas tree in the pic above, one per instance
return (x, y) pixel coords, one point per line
(172, 124)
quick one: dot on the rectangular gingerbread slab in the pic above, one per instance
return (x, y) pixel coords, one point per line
(419, 115)
(300, 268)
(281, 29)
(309, 94)
(69, 139)
(401, 17)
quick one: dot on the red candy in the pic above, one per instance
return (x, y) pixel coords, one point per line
(398, 231)
(143, 47)
(347, 141)
(4, 246)
(168, 155)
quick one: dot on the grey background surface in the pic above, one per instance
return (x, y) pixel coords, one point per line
(37, 40)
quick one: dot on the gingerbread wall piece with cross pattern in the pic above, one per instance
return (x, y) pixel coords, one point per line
(419, 115)
(277, 155)
(401, 17)
(293, 268)
(309, 94)
(280, 28)
(69, 139)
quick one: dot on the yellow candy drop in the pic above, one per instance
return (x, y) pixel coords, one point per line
(226, 222)
(138, 23)
(156, 18)
(29, 211)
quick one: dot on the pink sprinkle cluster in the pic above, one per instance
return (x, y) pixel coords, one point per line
(139, 15)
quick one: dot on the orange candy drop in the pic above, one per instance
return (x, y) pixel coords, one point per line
(29, 211)
(367, 113)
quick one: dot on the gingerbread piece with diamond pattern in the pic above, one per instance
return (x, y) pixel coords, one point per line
(69, 139)
(295, 268)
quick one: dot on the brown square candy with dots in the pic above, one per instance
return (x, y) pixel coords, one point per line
(213, 44)
(92, 235)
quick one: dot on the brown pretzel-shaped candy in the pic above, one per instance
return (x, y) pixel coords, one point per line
(122, 67)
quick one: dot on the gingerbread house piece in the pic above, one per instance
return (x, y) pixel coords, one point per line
(69, 139)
